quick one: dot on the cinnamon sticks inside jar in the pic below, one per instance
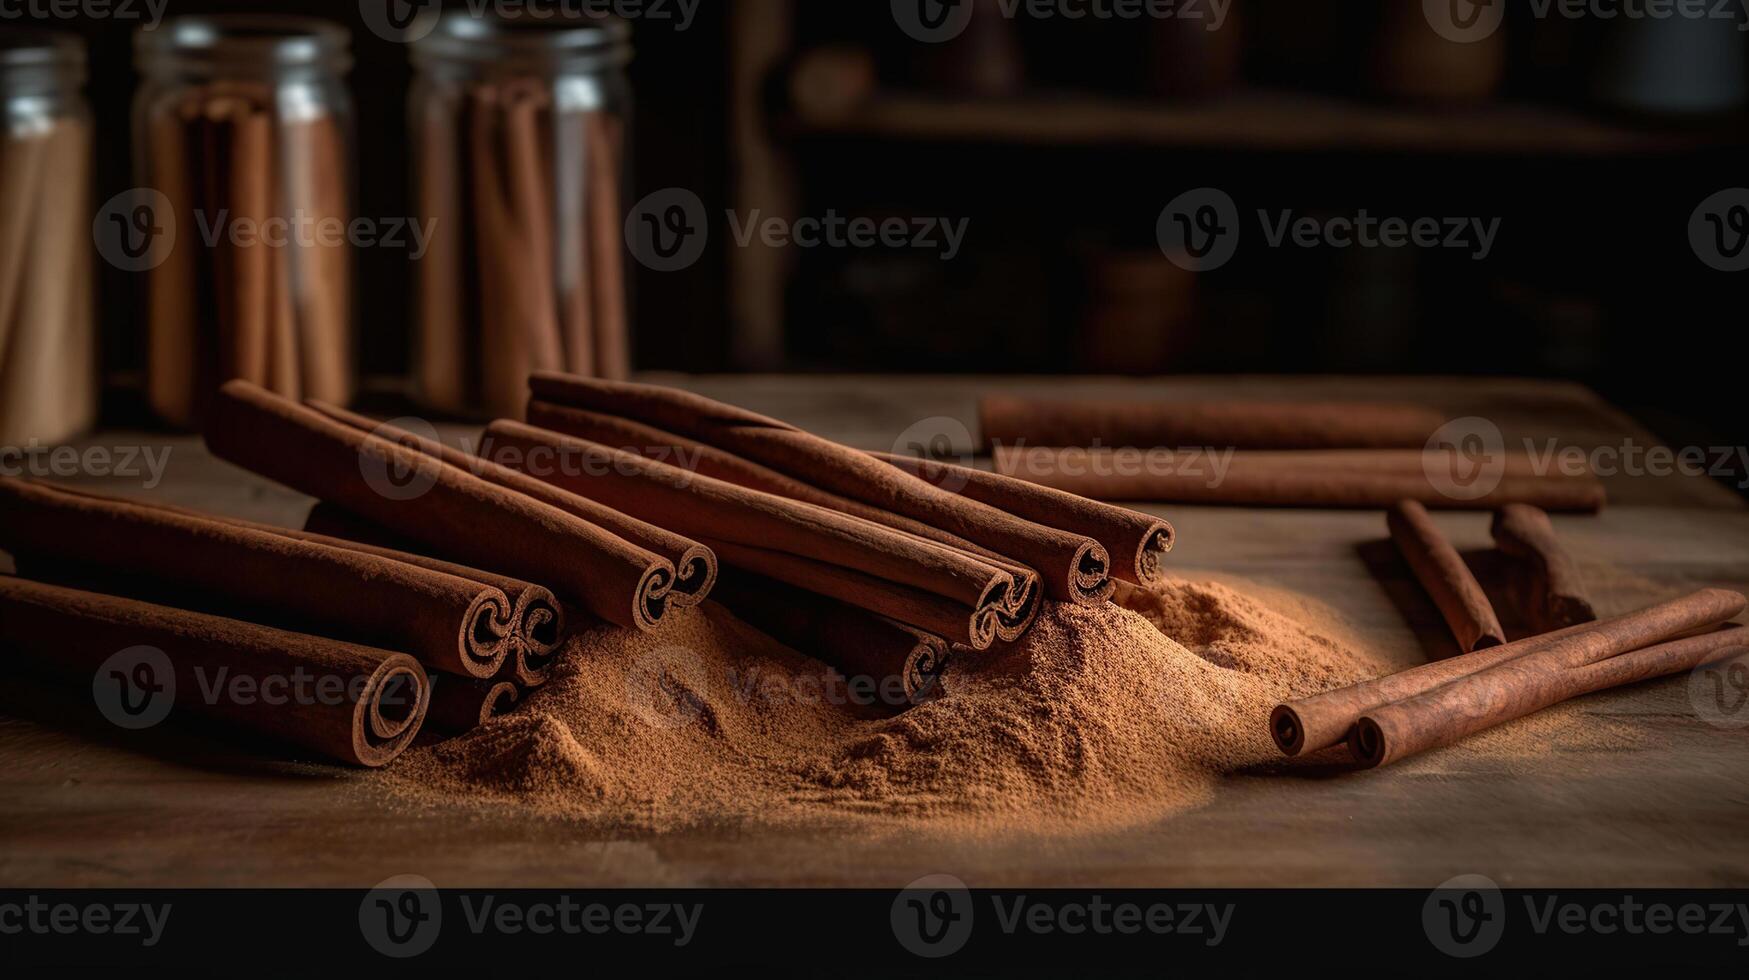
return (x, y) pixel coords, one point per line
(48, 340)
(243, 128)
(519, 130)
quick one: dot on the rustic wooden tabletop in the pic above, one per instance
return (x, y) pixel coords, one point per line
(85, 804)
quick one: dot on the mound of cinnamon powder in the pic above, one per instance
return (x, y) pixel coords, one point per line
(1098, 716)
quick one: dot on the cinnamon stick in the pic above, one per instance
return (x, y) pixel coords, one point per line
(941, 590)
(379, 707)
(1073, 568)
(1136, 541)
(1520, 687)
(1323, 720)
(863, 646)
(689, 454)
(22, 157)
(172, 320)
(694, 566)
(1352, 479)
(447, 509)
(538, 618)
(1018, 422)
(1549, 581)
(573, 242)
(447, 621)
(242, 137)
(603, 139)
(48, 366)
(459, 706)
(1448, 581)
(319, 183)
(440, 349)
(519, 330)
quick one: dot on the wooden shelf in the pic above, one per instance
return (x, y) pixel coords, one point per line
(1260, 120)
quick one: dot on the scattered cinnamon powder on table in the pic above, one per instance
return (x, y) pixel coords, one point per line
(1096, 717)
(1101, 717)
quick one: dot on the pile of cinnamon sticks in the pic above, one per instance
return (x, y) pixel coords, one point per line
(344, 647)
(48, 341)
(526, 269)
(1569, 654)
(232, 299)
(1264, 454)
(880, 565)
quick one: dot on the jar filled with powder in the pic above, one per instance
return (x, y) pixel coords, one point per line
(48, 342)
(519, 130)
(242, 132)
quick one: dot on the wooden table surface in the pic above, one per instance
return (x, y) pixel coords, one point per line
(85, 804)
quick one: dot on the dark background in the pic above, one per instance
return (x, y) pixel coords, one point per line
(1592, 278)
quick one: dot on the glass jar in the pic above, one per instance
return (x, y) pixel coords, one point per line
(48, 338)
(242, 131)
(519, 129)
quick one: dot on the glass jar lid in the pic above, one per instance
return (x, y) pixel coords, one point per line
(33, 52)
(262, 42)
(576, 42)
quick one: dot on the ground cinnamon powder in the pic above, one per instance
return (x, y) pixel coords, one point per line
(1101, 717)
(1097, 717)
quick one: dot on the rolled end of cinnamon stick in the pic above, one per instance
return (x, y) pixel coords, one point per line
(923, 668)
(487, 635)
(391, 708)
(1370, 745)
(539, 630)
(1287, 730)
(1090, 578)
(695, 574)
